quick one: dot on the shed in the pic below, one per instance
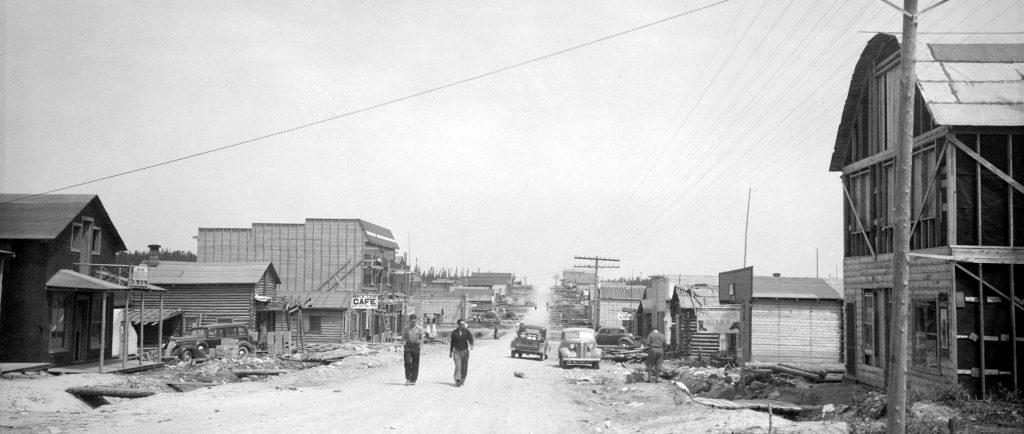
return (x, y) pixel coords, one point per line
(785, 319)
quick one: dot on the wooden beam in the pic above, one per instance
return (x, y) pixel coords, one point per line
(988, 254)
(951, 214)
(921, 140)
(1016, 303)
(931, 183)
(856, 213)
(982, 161)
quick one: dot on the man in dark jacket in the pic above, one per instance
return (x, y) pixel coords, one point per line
(655, 354)
(458, 350)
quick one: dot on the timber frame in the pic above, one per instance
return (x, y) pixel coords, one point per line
(966, 325)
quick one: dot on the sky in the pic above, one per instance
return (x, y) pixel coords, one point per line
(643, 147)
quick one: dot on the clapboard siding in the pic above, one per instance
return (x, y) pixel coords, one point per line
(213, 302)
(808, 331)
(928, 278)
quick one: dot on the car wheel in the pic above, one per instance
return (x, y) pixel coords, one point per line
(561, 363)
(244, 351)
(186, 356)
(597, 365)
(513, 355)
(625, 343)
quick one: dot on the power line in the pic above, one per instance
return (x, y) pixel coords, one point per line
(383, 104)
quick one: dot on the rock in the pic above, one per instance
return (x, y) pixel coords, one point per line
(728, 379)
(877, 410)
(519, 374)
(757, 385)
(828, 408)
(245, 380)
(932, 412)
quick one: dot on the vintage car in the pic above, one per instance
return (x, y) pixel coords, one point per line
(531, 339)
(615, 336)
(578, 347)
(203, 338)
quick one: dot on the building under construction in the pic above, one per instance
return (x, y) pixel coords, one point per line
(967, 211)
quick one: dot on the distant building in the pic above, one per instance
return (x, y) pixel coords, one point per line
(617, 304)
(967, 211)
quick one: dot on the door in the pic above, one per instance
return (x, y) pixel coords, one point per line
(81, 329)
(851, 339)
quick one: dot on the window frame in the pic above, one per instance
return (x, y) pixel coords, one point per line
(76, 237)
(97, 244)
(61, 299)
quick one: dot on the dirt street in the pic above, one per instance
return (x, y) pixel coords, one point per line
(368, 394)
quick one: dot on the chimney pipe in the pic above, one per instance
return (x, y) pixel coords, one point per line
(154, 256)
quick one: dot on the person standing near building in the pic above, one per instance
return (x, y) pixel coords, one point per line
(458, 350)
(655, 343)
(413, 336)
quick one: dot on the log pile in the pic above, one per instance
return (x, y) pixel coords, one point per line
(623, 355)
(818, 374)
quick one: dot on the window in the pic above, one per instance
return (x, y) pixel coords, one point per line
(925, 343)
(58, 323)
(732, 289)
(96, 241)
(76, 237)
(312, 324)
(875, 321)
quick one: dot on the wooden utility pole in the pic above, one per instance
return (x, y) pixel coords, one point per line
(746, 227)
(595, 297)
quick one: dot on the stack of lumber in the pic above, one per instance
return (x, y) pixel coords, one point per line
(823, 373)
(619, 354)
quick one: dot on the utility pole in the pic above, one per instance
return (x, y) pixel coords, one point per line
(896, 419)
(746, 227)
(595, 297)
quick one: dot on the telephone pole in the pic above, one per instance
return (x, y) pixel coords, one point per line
(595, 296)
(897, 406)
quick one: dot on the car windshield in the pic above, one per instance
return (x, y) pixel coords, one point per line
(579, 335)
(532, 330)
(198, 332)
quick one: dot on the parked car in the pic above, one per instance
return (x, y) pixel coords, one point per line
(531, 339)
(578, 347)
(615, 336)
(204, 338)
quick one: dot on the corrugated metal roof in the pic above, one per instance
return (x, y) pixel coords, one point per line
(794, 287)
(186, 273)
(630, 292)
(966, 80)
(74, 280)
(379, 235)
(702, 296)
(152, 316)
(44, 217)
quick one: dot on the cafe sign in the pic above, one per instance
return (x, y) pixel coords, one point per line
(365, 302)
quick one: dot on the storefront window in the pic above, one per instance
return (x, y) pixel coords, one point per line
(926, 352)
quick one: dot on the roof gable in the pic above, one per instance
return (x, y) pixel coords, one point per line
(965, 80)
(44, 217)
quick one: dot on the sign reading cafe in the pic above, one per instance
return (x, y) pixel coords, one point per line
(364, 302)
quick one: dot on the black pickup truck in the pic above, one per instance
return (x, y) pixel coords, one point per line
(531, 339)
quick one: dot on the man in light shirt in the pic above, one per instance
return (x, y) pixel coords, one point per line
(413, 336)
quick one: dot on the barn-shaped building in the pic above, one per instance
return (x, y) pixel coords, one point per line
(967, 211)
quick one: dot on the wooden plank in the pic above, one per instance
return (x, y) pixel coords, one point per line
(985, 163)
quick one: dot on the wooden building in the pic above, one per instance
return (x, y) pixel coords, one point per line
(204, 293)
(53, 309)
(321, 261)
(617, 304)
(967, 211)
(784, 319)
(700, 324)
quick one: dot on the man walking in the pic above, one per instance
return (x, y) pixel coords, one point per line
(413, 335)
(655, 354)
(458, 350)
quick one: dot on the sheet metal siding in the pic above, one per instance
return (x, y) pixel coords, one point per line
(928, 278)
(306, 256)
(611, 308)
(796, 331)
(213, 302)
